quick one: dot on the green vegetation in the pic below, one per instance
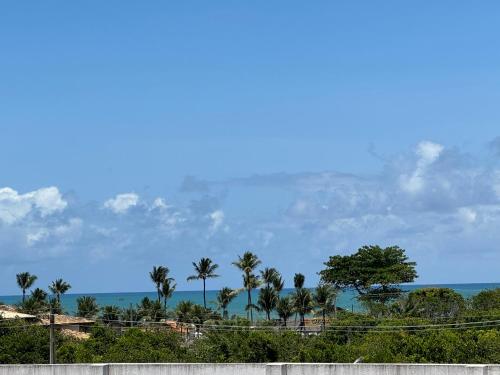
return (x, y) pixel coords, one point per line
(58, 288)
(247, 264)
(374, 272)
(427, 325)
(205, 269)
(30, 345)
(25, 280)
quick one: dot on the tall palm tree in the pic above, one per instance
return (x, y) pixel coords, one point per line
(267, 300)
(324, 299)
(269, 275)
(205, 269)
(298, 283)
(250, 282)
(224, 298)
(285, 308)
(303, 303)
(247, 264)
(25, 280)
(167, 290)
(59, 287)
(158, 275)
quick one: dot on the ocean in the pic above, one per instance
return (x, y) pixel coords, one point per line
(346, 299)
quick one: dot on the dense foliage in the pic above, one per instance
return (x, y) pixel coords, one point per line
(427, 325)
(446, 346)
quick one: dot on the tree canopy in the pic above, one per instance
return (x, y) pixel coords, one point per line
(375, 272)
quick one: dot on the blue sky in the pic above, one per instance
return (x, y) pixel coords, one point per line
(138, 134)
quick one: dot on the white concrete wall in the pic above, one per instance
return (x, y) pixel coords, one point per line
(250, 369)
(187, 369)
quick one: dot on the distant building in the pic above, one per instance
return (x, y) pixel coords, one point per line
(9, 313)
(67, 322)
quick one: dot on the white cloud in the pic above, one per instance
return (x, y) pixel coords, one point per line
(63, 233)
(122, 202)
(428, 153)
(467, 214)
(15, 206)
(217, 218)
(159, 203)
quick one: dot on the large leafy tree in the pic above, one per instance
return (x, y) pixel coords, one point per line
(205, 269)
(374, 272)
(58, 288)
(247, 263)
(25, 280)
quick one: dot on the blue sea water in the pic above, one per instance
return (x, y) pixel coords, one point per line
(346, 299)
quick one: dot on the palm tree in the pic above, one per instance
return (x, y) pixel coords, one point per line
(150, 310)
(205, 269)
(184, 310)
(298, 283)
(58, 288)
(285, 308)
(158, 275)
(224, 298)
(278, 283)
(250, 282)
(269, 275)
(130, 316)
(324, 299)
(39, 295)
(110, 313)
(167, 290)
(87, 307)
(25, 280)
(303, 303)
(247, 264)
(298, 280)
(267, 300)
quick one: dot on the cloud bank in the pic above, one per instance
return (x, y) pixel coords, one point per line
(441, 204)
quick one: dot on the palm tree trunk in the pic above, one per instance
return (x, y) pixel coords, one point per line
(324, 319)
(249, 300)
(335, 307)
(24, 294)
(204, 297)
(159, 293)
(284, 321)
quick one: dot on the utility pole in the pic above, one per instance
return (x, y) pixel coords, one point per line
(52, 338)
